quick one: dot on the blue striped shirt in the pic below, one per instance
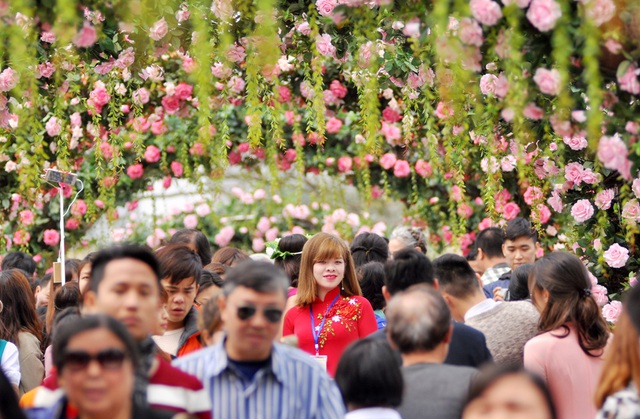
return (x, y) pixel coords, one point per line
(292, 386)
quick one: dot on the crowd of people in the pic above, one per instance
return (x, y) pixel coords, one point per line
(320, 329)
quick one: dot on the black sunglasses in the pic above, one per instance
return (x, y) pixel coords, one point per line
(273, 315)
(109, 359)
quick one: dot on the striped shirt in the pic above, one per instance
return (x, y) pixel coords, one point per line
(292, 385)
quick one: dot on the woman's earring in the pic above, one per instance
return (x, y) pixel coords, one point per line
(342, 283)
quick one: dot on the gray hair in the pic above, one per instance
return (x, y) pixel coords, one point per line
(418, 319)
(262, 277)
(410, 236)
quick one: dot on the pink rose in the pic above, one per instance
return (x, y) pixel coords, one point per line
(631, 210)
(548, 80)
(53, 126)
(612, 152)
(236, 53)
(258, 244)
(158, 30)
(508, 163)
(135, 171)
(629, 80)
(388, 160)
(391, 132)
(543, 14)
(46, 70)
(443, 111)
(171, 104)
(21, 237)
(236, 84)
(533, 112)
(333, 125)
(604, 198)
(542, 213)
(612, 311)
(8, 79)
(573, 172)
(600, 11)
(325, 7)
(582, 210)
(599, 294)
(223, 238)
(345, 163)
(501, 86)
(471, 32)
(488, 84)
(576, 142)
(485, 224)
(99, 96)
(47, 37)
(338, 89)
(401, 169)
(86, 37)
(177, 169)
(152, 154)
(324, 45)
(464, 210)
(487, 12)
(423, 168)
(616, 256)
(79, 208)
(532, 194)
(140, 96)
(589, 177)
(555, 201)
(26, 217)
(190, 221)
(51, 237)
(510, 211)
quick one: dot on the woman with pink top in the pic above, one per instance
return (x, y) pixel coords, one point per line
(573, 334)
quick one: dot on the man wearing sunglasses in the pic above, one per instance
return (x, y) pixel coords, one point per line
(250, 376)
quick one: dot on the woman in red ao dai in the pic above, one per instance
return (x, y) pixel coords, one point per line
(330, 299)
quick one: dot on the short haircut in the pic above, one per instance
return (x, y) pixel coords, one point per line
(473, 253)
(209, 318)
(44, 281)
(408, 267)
(418, 319)
(371, 277)
(490, 240)
(368, 375)
(19, 260)
(126, 251)
(197, 240)
(209, 278)
(262, 277)
(519, 282)
(520, 227)
(411, 237)
(491, 373)
(178, 262)
(369, 247)
(229, 256)
(69, 330)
(455, 276)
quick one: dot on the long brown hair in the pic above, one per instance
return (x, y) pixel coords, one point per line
(567, 281)
(19, 312)
(622, 362)
(324, 246)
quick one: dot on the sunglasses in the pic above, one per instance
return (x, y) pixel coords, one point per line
(109, 359)
(273, 315)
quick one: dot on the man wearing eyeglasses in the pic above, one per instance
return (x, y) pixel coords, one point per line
(247, 374)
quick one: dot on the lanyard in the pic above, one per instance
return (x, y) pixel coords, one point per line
(316, 335)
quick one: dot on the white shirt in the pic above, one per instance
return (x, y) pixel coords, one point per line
(10, 363)
(480, 308)
(373, 413)
(169, 341)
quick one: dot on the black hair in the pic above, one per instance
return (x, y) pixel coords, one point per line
(490, 240)
(68, 330)
(9, 406)
(519, 282)
(633, 306)
(473, 253)
(408, 267)
(490, 374)
(209, 278)
(371, 278)
(195, 238)
(455, 276)
(368, 375)
(369, 247)
(44, 281)
(20, 260)
(262, 277)
(126, 251)
(520, 227)
(179, 261)
(292, 243)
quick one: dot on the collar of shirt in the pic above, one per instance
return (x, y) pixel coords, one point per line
(220, 360)
(480, 308)
(494, 273)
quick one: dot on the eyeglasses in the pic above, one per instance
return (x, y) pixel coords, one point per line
(273, 315)
(109, 359)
